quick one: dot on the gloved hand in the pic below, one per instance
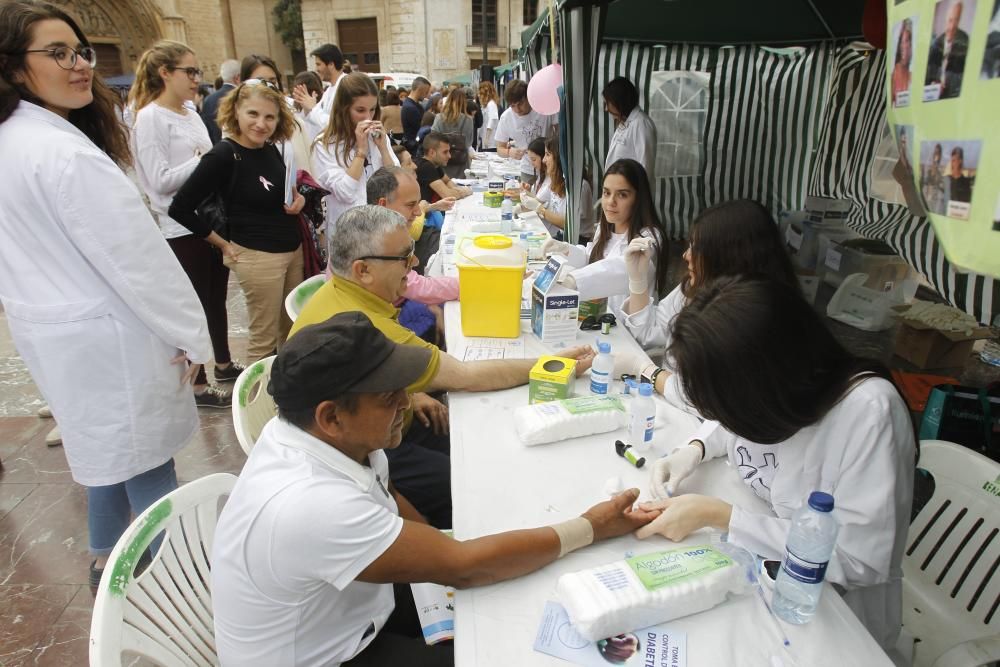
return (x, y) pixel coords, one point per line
(553, 247)
(518, 210)
(669, 471)
(628, 362)
(529, 202)
(568, 280)
(637, 256)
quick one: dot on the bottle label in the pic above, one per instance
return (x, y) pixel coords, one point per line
(648, 435)
(684, 565)
(803, 570)
(599, 381)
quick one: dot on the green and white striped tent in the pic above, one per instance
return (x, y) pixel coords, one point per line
(778, 103)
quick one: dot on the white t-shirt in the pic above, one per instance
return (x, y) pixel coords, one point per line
(635, 139)
(491, 116)
(167, 147)
(303, 521)
(861, 452)
(523, 130)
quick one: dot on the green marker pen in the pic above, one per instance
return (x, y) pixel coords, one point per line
(625, 451)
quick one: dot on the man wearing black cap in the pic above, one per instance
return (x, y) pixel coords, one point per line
(370, 256)
(314, 534)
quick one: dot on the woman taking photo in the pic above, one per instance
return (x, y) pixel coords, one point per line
(795, 413)
(454, 122)
(627, 213)
(168, 140)
(489, 102)
(352, 148)
(97, 306)
(247, 171)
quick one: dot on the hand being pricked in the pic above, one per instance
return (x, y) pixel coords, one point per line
(682, 515)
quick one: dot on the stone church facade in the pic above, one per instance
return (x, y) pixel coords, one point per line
(215, 29)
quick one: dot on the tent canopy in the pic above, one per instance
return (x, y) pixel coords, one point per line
(462, 79)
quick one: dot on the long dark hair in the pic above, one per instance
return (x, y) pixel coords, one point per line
(622, 94)
(253, 61)
(99, 120)
(738, 237)
(537, 146)
(643, 217)
(753, 355)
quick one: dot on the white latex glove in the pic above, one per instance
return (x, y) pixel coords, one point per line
(637, 256)
(518, 210)
(629, 362)
(668, 472)
(553, 247)
(529, 202)
(568, 280)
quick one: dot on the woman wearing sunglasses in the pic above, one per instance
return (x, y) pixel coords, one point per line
(353, 146)
(627, 213)
(98, 308)
(247, 171)
(168, 140)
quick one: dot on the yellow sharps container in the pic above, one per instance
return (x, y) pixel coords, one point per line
(490, 272)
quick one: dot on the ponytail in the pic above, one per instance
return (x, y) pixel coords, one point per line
(148, 82)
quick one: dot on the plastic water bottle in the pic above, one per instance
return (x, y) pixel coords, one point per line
(640, 427)
(506, 215)
(601, 369)
(810, 544)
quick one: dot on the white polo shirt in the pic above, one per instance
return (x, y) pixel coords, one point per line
(303, 521)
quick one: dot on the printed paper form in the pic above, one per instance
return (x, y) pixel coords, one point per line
(480, 349)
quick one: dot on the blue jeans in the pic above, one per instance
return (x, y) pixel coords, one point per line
(110, 508)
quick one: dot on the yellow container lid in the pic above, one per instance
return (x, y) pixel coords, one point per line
(493, 242)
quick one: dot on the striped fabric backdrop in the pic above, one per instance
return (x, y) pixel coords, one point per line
(782, 124)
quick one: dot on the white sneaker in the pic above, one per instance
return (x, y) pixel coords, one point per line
(54, 438)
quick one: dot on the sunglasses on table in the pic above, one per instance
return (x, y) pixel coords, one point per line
(591, 323)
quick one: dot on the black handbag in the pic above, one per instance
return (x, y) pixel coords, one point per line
(213, 209)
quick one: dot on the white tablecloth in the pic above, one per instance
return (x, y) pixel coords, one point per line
(499, 484)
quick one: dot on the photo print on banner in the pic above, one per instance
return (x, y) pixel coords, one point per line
(949, 46)
(902, 38)
(996, 216)
(948, 175)
(991, 56)
(904, 142)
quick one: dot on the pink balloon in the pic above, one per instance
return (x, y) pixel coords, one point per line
(542, 94)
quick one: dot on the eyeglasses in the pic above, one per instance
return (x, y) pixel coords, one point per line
(392, 258)
(591, 323)
(66, 56)
(193, 73)
(261, 82)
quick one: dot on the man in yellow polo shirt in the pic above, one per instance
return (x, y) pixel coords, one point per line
(370, 256)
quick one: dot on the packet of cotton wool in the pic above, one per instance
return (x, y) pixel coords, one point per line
(649, 589)
(569, 418)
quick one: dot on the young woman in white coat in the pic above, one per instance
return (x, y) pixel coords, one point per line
(635, 134)
(352, 148)
(98, 308)
(168, 140)
(794, 412)
(627, 213)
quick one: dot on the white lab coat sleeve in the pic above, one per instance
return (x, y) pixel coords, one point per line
(149, 140)
(651, 325)
(579, 255)
(715, 438)
(320, 114)
(333, 176)
(863, 480)
(119, 238)
(645, 147)
(601, 279)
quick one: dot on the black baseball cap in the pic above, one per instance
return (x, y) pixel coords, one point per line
(346, 354)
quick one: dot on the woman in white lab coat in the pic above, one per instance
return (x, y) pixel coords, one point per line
(97, 305)
(635, 134)
(794, 412)
(627, 213)
(352, 148)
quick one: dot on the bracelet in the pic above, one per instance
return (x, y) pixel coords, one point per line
(573, 534)
(652, 378)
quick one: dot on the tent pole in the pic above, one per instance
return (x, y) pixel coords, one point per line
(821, 19)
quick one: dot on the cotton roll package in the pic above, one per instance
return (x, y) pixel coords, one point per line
(647, 590)
(569, 418)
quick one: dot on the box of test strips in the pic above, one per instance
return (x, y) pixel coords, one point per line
(551, 379)
(554, 307)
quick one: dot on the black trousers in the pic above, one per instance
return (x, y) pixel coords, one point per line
(420, 469)
(401, 642)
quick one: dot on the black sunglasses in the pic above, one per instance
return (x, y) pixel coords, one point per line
(591, 323)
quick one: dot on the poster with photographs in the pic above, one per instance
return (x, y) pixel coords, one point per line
(948, 49)
(948, 176)
(991, 54)
(996, 217)
(902, 60)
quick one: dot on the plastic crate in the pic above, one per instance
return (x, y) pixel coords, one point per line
(887, 272)
(802, 237)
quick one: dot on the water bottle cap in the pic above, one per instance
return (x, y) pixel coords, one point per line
(604, 348)
(645, 389)
(632, 383)
(821, 502)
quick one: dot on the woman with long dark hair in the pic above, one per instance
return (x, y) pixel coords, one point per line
(100, 311)
(627, 213)
(635, 133)
(794, 412)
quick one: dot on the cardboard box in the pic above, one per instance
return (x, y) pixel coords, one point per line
(593, 308)
(926, 347)
(551, 379)
(554, 307)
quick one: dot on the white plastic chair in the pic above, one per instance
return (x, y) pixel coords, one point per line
(253, 407)
(165, 613)
(297, 298)
(951, 587)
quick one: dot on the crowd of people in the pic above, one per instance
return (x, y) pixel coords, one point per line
(116, 300)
